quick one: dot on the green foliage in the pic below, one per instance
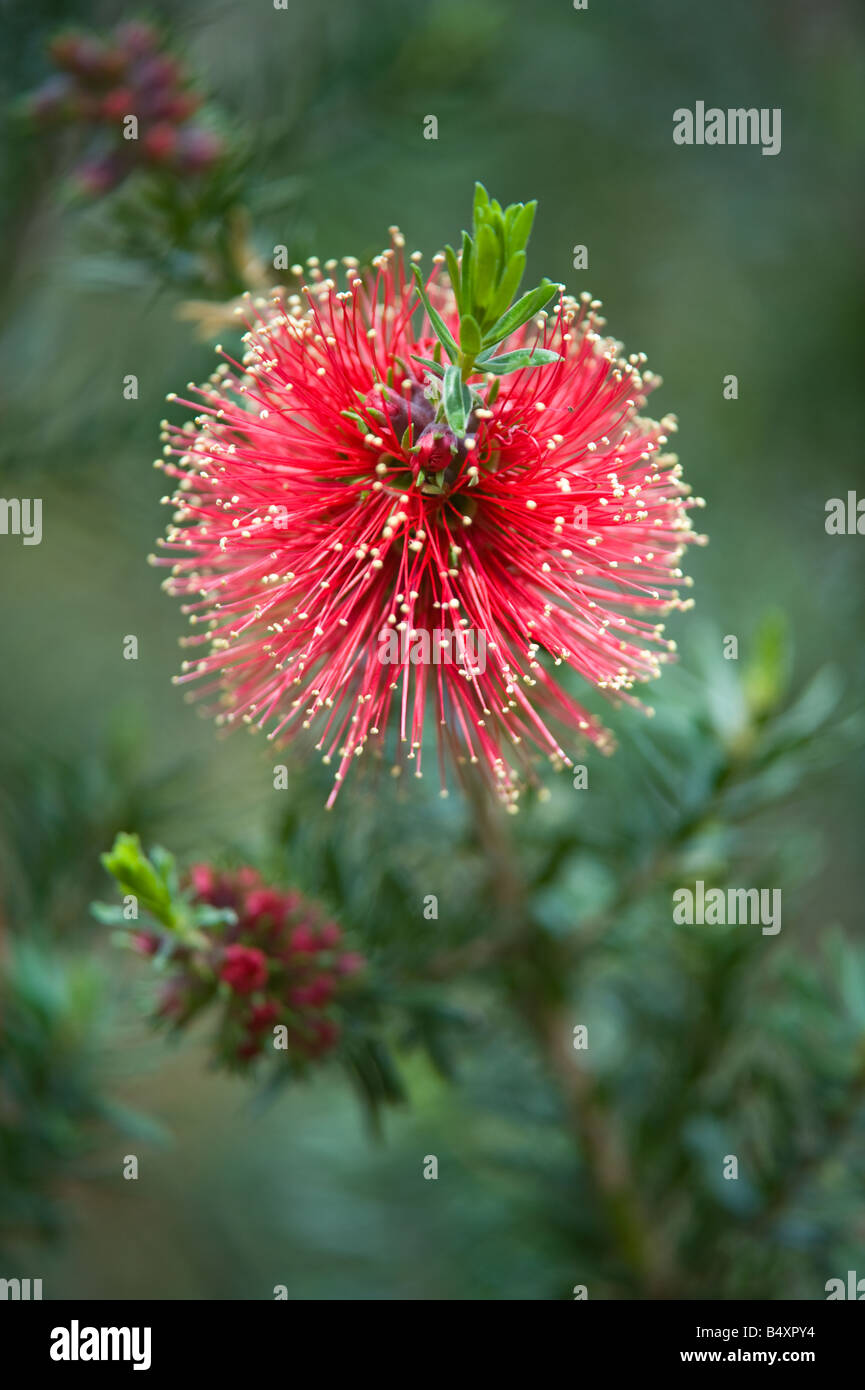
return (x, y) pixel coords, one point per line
(703, 1041)
(52, 1077)
(485, 277)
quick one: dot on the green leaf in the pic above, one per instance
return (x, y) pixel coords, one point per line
(470, 336)
(440, 328)
(111, 914)
(454, 273)
(766, 675)
(521, 229)
(486, 267)
(521, 312)
(481, 203)
(509, 285)
(516, 361)
(429, 364)
(129, 865)
(466, 270)
(457, 400)
(511, 212)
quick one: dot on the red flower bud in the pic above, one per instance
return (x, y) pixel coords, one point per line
(160, 143)
(314, 995)
(176, 106)
(203, 880)
(159, 71)
(261, 1016)
(303, 940)
(326, 1034)
(330, 935)
(137, 38)
(264, 905)
(144, 943)
(117, 104)
(436, 447)
(244, 968)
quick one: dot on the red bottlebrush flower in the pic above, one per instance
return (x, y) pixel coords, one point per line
(316, 546)
(244, 969)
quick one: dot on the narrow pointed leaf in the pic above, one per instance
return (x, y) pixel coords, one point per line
(516, 361)
(467, 271)
(486, 267)
(481, 203)
(429, 364)
(522, 228)
(508, 287)
(470, 335)
(521, 312)
(454, 273)
(440, 328)
(457, 400)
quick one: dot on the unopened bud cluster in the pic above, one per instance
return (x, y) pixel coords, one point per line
(278, 972)
(131, 101)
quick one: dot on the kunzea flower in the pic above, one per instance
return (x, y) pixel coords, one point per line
(386, 486)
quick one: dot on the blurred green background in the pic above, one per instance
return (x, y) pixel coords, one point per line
(711, 261)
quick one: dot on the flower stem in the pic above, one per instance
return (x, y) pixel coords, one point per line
(536, 971)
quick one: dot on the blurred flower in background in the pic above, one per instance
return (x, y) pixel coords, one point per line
(272, 963)
(129, 100)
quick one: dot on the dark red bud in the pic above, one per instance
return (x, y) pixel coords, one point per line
(436, 447)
